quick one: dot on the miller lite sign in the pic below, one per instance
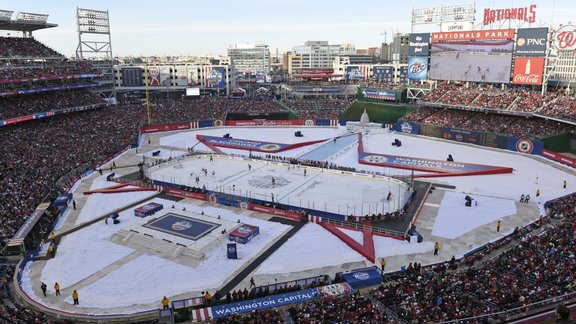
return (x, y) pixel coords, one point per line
(527, 14)
(528, 70)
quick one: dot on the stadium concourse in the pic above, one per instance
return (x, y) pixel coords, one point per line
(116, 273)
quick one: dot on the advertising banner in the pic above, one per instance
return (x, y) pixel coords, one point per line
(265, 302)
(363, 278)
(154, 76)
(356, 72)
(264, 122)
(422, 164)
(531, 41)
(243, 144)
(528, 70)
(383, 73)
(559, 157)
(165, 76)
(419, 44)
(232, 251)
(525, 145)
(214, 77)
(277, 212)
(164, 128)
(418, 67)
(184, 193)
(473, 35)
(403, 74)
(407, 127)
(181, 76)
(379, 94)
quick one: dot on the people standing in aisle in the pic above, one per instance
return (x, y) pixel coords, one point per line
(43, 287)
(75, 297)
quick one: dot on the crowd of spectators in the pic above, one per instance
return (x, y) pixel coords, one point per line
(539, 265)
(23, 105)
(10, 311)
(354, 308)
(318, 108)
(24, 47)
(554, 103)
(43, 150)
(497, 123)
(273, 316)
(51, 69)
(564, 106)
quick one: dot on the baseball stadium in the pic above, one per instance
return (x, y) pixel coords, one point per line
(430, 180)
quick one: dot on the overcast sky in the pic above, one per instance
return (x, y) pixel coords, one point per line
(196, 27)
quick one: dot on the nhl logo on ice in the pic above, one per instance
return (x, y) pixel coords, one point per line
(524, 145)
(181, 225)
(361, 275)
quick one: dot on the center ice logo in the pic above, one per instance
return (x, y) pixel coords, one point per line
(181, 225)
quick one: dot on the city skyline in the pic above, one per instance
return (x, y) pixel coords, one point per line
(199, 28)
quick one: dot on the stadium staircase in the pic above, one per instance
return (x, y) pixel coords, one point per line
(154, 245)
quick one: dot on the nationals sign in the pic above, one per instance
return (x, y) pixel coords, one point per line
(527, 14)
(473, 34)
(528, 70)
(564, 38)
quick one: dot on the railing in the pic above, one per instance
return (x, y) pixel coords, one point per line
(360, 226)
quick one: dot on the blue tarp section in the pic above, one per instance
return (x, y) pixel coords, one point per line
(363, 278)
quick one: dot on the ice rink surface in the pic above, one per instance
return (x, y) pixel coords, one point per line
(320, 189)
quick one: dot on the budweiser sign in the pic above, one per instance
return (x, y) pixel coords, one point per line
(528, 70)
(527, 14)
(564, 38)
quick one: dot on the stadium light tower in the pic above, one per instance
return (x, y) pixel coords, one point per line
(95, 44)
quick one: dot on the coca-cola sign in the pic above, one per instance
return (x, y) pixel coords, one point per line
(528, 70)
(564, 38)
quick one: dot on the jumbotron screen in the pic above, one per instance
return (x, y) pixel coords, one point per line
(472, 60)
